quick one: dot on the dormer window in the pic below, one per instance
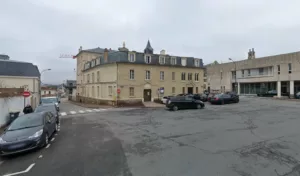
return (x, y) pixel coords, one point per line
(162, 59)
(183, 61)
(148, 59)
(173, 60)
(131, 57)
(197, 62)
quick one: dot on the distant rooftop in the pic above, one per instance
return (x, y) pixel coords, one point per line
(4, 57)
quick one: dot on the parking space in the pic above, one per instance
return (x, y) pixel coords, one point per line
(253, 137)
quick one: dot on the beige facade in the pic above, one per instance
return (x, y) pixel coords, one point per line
(127, 81)
(28, 83)
(279, 72)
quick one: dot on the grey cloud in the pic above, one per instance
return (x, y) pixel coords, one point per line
(39, 30)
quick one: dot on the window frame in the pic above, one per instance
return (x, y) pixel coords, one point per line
(183, 59)
(190, 76)
(131, 74)
(196, 62)
(183, 76)
(129, 57)
(146, 57)
(173, 61)
(149, 75)
(162, 75)
(131, 91)
(162, 58)
(197, 77)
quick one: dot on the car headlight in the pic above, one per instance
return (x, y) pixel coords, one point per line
(36, 134)
(169, 101)
(2, 141)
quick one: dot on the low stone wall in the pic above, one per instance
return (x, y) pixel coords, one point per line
(120, 103)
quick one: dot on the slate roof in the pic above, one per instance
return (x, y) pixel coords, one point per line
(16, 68)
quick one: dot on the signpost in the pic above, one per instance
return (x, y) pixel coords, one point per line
(26, 94)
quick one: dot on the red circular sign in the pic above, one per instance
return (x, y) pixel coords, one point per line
(26, 94)
(118, 91)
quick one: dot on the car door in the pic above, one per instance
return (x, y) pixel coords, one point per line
(189, 102)
(53, 121)
(226, 98)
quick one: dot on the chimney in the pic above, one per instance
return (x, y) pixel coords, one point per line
(249, 54)
(253, 53)
(80, 48)
(109, 49)
(105, 55)
(163, 52)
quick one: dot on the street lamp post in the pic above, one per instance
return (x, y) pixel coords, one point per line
(41, 81)
(235, 82)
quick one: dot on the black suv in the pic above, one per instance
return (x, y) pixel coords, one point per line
(184, 102)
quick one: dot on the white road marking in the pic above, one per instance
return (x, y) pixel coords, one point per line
(88, 110)
(41, 156)
(56, 134)
(63, 113)
(52, 139)
(73, 112)
(48, 146)
(97, 110)
(81, 111)
(102, 109)
(22, 172)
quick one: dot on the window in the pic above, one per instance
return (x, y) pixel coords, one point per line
(162, 59)
(162, 75)
(49, 93)
(173, 90)
(131, 57)
(183, 90)
(173, 60)
(183, 76)
(290, 68)
(45, 92)
(242, 73)
(233, 73)
(249, 72)
(148, 59)
(190, 76)
(196, 76)
(173, 76)
(98, 76)
(131, 74)
(196, 89)
(109, 90)
(131, 91)
(88, 78)
(97, 61)
(98, 91)
(261, 71)
(278, 69)
(147, 75)
(197, 62)
(93, 77)
(183, 61)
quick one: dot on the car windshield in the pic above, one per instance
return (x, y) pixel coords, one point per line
(45, 108)
(49, 100)
(218, 95)
(27, 121)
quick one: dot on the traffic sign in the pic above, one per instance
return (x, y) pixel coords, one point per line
(118, 91)
(26, 94)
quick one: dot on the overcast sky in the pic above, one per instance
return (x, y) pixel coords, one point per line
(39, 31)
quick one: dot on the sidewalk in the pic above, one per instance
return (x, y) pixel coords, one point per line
(153, 105)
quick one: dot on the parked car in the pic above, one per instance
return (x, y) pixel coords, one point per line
(165, 99)
(224, 99)
(28, 132)
(48, 108)
(50, 100)
(210, 96)
(201, 97)
(184, 102)
(297, 95)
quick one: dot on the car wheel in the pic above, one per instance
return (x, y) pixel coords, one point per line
(175, 108)
(56, 127)
(199, 106)
(46, 140)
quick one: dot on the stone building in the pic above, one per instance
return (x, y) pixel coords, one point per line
(254, 75)
(129, 77)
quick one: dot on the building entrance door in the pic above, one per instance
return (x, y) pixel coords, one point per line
(147, 94)
(190, 90)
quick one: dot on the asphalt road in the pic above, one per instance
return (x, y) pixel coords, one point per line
(254, 137)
